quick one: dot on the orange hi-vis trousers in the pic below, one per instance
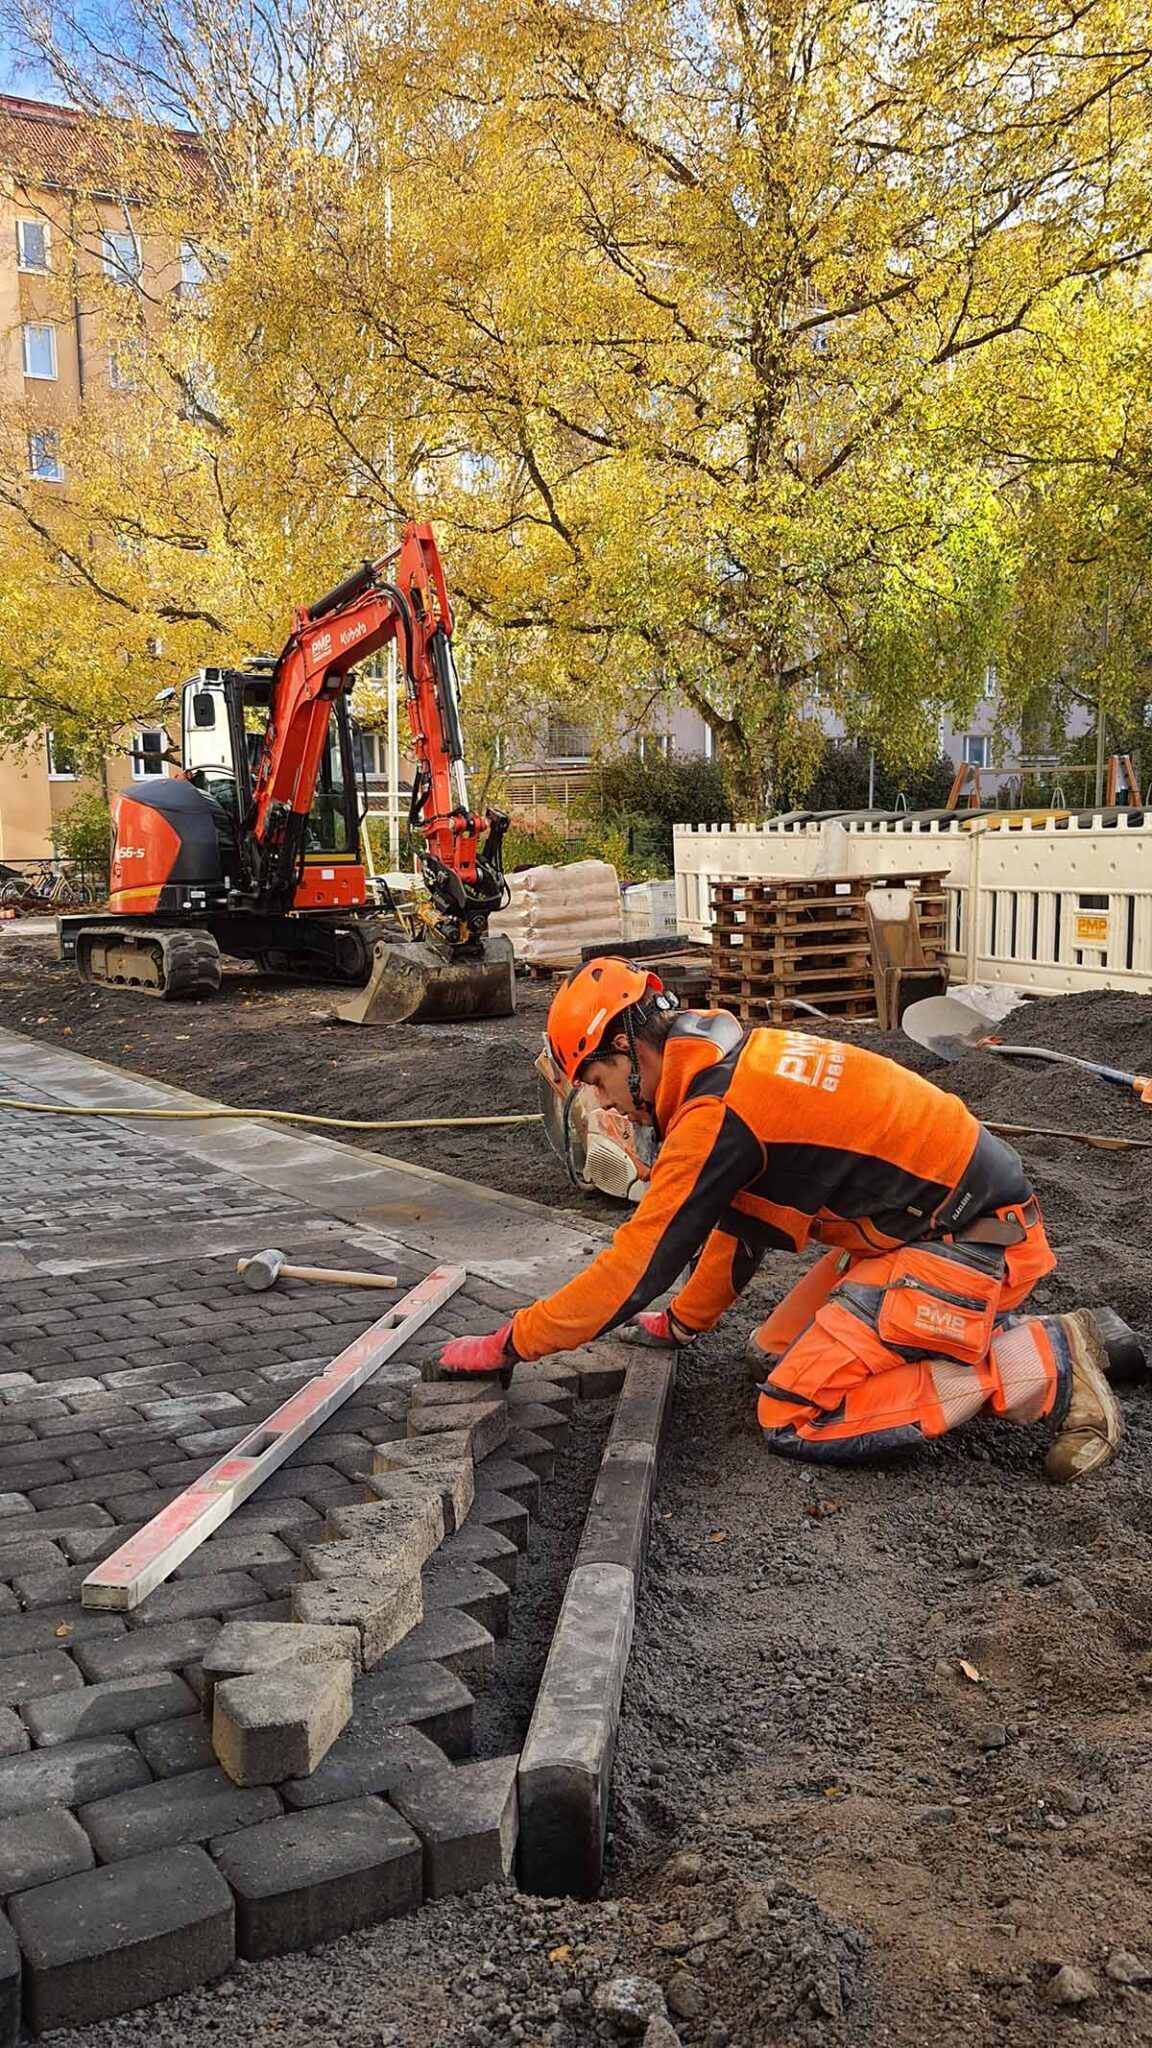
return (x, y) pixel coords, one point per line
(871, 1353)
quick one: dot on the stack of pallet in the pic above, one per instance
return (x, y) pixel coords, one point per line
(783, 948)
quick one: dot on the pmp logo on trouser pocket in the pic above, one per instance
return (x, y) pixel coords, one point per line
(940, 1322)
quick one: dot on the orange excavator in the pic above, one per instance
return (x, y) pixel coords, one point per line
(252, 847)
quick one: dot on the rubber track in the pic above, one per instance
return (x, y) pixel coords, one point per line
(191, 962)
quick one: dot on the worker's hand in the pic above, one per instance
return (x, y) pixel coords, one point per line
(658, 1330)
(479, 1355)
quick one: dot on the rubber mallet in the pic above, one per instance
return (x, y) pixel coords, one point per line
(268, 1267)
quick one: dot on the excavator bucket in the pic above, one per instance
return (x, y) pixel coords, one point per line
(416, 983)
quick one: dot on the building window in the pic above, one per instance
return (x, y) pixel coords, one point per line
(977, 749)
(39, 349)
(192, 271)
(366, 751)
(32, 244)
(148, 752)
(44, 457)
(121, 257)
(62, 763)
(123, 364)
(567, 742)
(655, 746)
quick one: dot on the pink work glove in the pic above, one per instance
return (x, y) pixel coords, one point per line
(657, 1330)
(479, 1354)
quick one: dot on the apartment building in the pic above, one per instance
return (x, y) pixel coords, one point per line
(68, 233)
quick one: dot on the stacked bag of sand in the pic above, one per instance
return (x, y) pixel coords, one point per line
(555, 911)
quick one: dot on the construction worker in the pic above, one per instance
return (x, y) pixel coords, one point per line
(772, 1139)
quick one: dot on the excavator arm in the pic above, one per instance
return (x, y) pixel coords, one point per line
(403, 598)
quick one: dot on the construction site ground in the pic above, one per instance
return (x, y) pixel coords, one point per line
(885, 1763)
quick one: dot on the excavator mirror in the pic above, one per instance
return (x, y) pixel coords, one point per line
(203, 709)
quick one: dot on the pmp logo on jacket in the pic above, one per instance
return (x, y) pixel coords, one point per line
(939, 1322)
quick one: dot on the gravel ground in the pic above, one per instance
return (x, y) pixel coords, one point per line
(885, 1766)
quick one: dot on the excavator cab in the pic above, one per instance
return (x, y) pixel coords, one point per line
(225, 719)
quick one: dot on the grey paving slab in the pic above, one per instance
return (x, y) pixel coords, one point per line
(188, 1808)
(108, 1940)
(36, 1848)
(314, 1875)
(466, 1816)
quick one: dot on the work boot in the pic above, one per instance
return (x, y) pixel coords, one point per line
(1090, 1424)
(757, 1362)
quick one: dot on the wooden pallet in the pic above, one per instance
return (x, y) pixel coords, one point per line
(778, 944)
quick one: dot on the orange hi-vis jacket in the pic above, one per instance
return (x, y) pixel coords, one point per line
(773, 1139)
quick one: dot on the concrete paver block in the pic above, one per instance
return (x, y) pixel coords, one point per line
(466, 1818)
(381, 1609)
(188, 1599)
(172, 1747)
(373, 1762)
(107, 1940)
(555, 1395)
(191, 1808)
(566, 1764)
(399, 1545)
(314, 1875)
(485, 1423)
(498, 1511)
(542, 1421)
(242, 1647)
(10, 1974)
(413, 1525)
(449, 1636)
(557, 1371)
(235, 1552)
(114, 1708)
(14, 1736)
(280, 1723)
(168, 1647)
(533, 1451)
(472, 1588)
(476, 1544)
(408, 1477)
(59, 1629)
(70, 1773)
(36, 1848)
(503, 1474)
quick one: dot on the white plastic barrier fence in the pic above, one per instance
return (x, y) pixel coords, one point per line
(1057, 905)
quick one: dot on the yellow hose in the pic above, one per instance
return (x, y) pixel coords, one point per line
(284, 1116)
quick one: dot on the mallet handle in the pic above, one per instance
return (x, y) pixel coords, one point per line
(329, 1276)
(335, 1276)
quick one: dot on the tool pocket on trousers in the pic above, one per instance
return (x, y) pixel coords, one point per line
(941, 1301)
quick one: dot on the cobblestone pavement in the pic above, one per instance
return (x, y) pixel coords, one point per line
(132, 1356)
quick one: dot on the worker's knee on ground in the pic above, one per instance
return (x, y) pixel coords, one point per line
(758, 1361)
(807, 1446)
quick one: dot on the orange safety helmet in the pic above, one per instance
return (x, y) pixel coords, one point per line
(588, 1002)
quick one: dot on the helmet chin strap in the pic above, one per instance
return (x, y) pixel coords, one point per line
(634, 1089)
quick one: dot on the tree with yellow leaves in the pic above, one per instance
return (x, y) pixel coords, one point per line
(686, 324)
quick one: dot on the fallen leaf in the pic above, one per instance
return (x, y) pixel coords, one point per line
(65, 1629)
(718, 1536)
(833, 1792)
(969, 1670)
(819, 1508)
(561, 1954)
